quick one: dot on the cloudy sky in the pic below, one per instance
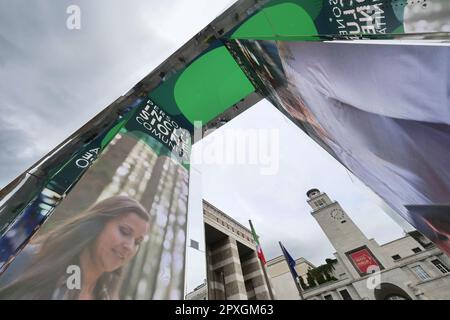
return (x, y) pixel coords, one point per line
(276, 203)
(53, 80)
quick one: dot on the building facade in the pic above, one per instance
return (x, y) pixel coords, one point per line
(199, 293)
(234, 271)
(411, 267)
(282, 282)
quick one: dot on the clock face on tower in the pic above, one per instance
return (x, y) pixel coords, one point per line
(337, 214)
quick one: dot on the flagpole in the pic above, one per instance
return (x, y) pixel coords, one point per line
(297, 279)
(269, 284)
(299, 287)
(266, 277)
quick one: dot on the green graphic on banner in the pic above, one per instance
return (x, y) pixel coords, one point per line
(294, 20)
(150, 119)
(279, 20)
(69, 173)
(207, 87)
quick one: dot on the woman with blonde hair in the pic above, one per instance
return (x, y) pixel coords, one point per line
(100, 242)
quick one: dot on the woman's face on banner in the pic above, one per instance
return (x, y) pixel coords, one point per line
(119, 241)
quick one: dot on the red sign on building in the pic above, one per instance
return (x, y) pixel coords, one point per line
(363, 259)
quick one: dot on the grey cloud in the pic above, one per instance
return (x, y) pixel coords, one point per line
(53, 80)
(18, 155)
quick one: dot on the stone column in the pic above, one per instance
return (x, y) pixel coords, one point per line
(254, 278)
(226, 270)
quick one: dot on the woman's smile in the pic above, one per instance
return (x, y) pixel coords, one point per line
(119, 255)
(119, 241)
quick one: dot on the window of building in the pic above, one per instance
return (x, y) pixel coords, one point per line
(421, 273)
(442, 267)
(328, 297)
(319, 203)
(195, 244)
(396, 257)
(345, 295)
(417, 250)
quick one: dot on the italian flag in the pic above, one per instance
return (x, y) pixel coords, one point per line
(258, 246)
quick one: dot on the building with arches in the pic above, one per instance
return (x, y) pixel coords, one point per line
(411, 267)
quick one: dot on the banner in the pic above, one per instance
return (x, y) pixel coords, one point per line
(141, 165)
(296, 20)
(121, 231)
(382, 110)
(362, 260)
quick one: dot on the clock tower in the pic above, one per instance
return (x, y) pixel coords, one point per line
(345, 236)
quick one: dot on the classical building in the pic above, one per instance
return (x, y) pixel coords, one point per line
(199, 293)
(234, 271)
(411, 267)
(281, 278)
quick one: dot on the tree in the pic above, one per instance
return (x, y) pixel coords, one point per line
(302, 283)
(310, 279)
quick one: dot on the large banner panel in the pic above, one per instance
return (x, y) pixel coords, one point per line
(135, 173)
(382, 110)
(121, 231)
(296, 20)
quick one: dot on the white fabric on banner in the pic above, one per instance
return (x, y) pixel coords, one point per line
(385, 111)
